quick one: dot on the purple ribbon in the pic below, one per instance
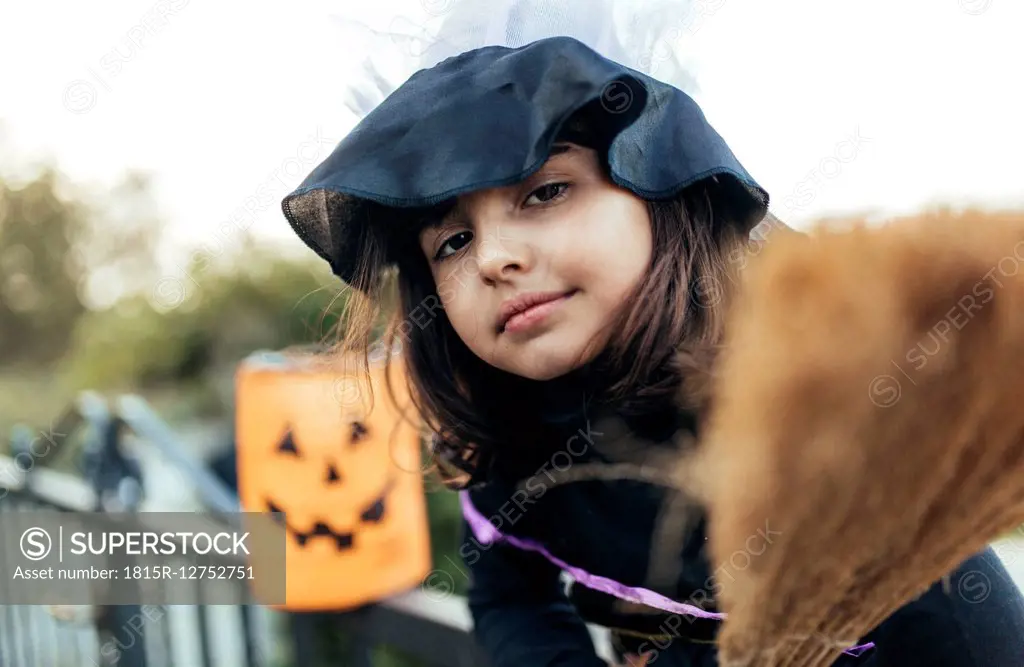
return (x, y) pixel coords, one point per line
(486, 533)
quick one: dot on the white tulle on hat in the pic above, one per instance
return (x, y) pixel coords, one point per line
(649, 36)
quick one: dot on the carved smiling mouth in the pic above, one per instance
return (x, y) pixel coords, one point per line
(342, 541)
(374, 513)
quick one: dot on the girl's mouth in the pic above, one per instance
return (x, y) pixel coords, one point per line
(533, 315)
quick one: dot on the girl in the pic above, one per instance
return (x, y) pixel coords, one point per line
(553, 228)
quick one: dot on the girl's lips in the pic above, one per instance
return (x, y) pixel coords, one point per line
(534, 315)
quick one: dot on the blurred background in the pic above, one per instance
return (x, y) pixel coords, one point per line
(145, 147)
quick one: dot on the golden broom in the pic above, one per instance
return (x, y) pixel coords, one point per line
(868, 408)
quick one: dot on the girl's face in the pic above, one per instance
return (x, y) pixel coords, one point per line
(531, 275)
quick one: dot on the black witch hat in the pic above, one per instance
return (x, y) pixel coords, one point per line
(487, 117)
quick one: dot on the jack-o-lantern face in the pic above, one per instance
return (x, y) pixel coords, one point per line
(345, 539)
(342, 478)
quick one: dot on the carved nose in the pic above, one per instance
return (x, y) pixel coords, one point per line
(332, 474)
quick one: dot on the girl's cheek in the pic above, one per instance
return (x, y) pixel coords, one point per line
(446, 292)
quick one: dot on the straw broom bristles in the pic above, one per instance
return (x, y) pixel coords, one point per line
(869, 409)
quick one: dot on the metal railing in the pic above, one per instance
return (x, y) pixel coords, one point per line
(101, 476)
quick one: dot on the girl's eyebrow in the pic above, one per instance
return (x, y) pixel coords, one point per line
(455, 213)
(560, 148)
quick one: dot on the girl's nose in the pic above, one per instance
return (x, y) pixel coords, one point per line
(499, 253)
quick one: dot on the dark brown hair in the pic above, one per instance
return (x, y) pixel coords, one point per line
(477, 413)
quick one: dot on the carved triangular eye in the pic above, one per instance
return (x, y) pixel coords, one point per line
(375, 512)
(358, 433)
(287, 445)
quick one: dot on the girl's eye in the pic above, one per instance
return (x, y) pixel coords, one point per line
(457, 241)
(547, 193)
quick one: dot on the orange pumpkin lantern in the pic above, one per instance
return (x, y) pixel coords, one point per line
(344, 475)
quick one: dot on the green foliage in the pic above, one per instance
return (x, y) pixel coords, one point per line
(39, 303)
(81, 292)
(266, 303)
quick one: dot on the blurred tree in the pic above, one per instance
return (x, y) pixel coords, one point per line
(39, 299)
(58, 248)
(117, 248)
(225, 312)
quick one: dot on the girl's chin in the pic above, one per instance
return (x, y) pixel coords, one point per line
(539, 368)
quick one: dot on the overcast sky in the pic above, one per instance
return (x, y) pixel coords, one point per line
(833, 106)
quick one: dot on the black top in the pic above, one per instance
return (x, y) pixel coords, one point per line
(601, 531)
